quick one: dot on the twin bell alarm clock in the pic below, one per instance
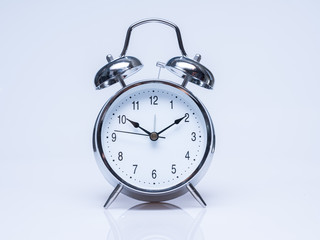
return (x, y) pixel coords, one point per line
(153, 140)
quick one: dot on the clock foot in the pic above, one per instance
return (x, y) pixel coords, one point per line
(113, 195)
(196, 195)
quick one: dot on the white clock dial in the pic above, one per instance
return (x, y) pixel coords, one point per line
(154, 136)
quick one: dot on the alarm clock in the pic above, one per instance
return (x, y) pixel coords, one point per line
(153, 140)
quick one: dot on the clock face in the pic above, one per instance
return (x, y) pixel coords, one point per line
(154, 136)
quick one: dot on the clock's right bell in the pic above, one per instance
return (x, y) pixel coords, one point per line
(191, 70)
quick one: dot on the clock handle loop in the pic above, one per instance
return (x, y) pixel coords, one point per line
(153, 20)
(191, 70)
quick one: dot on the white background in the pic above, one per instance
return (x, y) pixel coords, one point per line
(264, 180)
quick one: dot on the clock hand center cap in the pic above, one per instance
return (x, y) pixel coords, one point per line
(154, 136)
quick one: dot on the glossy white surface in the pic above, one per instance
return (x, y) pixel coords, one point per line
(264, 180)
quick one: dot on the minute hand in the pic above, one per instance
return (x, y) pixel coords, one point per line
(177, 121)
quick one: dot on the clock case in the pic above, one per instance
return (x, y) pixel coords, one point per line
(119, 69)
(145, 194)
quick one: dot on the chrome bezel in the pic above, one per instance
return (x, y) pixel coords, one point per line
(147, 194)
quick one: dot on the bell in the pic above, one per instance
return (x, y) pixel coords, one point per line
(191, 71)
(116, 71)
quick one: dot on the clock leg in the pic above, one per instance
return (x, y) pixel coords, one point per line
(196, 195)
(113, 195)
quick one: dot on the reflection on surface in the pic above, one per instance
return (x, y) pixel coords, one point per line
(158, 221)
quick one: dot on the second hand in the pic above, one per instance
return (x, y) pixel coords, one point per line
(141, 134)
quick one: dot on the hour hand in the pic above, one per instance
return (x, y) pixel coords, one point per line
(136, 125)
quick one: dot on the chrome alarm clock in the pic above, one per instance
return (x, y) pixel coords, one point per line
(153, 140)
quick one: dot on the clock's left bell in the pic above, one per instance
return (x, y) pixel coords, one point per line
(116, 71)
